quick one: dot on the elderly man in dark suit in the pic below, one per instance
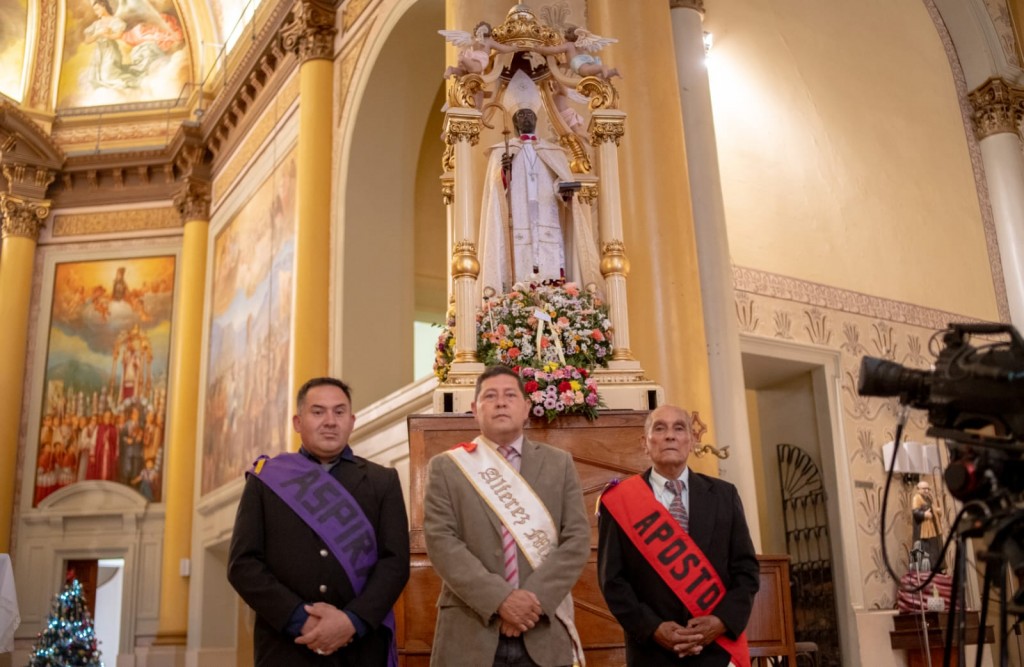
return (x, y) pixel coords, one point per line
(508, 546)
(320, 548)
(675, 561)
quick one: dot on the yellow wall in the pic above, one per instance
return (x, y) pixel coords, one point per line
(843, 153)
(392, 121)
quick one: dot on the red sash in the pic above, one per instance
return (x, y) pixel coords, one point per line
(672, 553)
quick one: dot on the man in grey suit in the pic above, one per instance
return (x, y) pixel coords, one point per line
(509, 612)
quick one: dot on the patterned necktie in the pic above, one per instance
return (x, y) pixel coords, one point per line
(676, 507)
(508, 543)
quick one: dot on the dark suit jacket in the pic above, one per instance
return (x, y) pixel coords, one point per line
(277, 562)
(641, 601)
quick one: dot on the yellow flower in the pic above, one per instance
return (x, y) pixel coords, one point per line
(575, 384)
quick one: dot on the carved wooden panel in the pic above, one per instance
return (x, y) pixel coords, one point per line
(770, 629)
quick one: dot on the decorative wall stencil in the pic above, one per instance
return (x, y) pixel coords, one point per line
(863, 325)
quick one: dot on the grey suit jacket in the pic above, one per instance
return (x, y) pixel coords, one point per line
(463, 538)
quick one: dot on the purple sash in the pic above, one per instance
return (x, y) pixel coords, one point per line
(329, 509)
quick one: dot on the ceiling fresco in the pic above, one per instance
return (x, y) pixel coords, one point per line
(13, 30)
(115, 53)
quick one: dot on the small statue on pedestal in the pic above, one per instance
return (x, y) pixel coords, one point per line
(927, 536)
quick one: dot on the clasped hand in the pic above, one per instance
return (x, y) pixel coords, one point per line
(691, 638)
(327, 629)
(519, 612)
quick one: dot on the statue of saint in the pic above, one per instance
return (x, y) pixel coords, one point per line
(532, 227)
(927, 528)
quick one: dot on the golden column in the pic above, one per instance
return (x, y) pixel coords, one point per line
(310, 35)
(193, 203)
(664, 287)
(462, 130)
(21, 220)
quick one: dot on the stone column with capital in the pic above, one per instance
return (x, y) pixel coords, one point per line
(193, 204)
(607, 127)
(462, 131)
(21, 220)
(725, 362)
(666, 310)
(998, 110)
(310, 33)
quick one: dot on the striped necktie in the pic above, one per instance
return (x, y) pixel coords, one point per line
(508, 543)
(676, 507)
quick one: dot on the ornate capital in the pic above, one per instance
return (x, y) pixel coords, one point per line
(193, 201)
(464, 261)
(607, 129)
(27, 178)
(613, 259)
(696, 5)
(22, 217)
(588, 193)
(997, 108)
(309, 32)
(462, 129)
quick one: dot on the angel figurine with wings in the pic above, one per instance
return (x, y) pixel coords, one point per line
(474, 49)
(585, 64)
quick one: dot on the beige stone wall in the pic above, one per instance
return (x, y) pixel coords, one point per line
(843, 152)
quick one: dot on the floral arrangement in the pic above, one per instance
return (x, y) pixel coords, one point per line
(559, 390)
(553, 332)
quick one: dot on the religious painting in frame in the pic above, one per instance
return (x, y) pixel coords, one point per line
(104, 404)
(247, 407)
(13, 41)
(122, 52)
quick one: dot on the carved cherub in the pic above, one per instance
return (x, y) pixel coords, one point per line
(584, 64)
(474, 49)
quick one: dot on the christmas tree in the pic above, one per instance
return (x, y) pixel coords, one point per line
(68, 638)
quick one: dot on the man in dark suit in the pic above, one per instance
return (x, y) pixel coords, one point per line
(498, 610)
(312, 608)
(648, 598)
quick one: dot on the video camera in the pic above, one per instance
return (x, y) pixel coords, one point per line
(975, 400)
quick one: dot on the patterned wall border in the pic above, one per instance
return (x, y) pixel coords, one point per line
(825, 296)
(1002, 21)
(977, 165)
(346, 69)
(132, 220)
(794, 311)
(41, 92)
(351, 12)
(93, 136)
